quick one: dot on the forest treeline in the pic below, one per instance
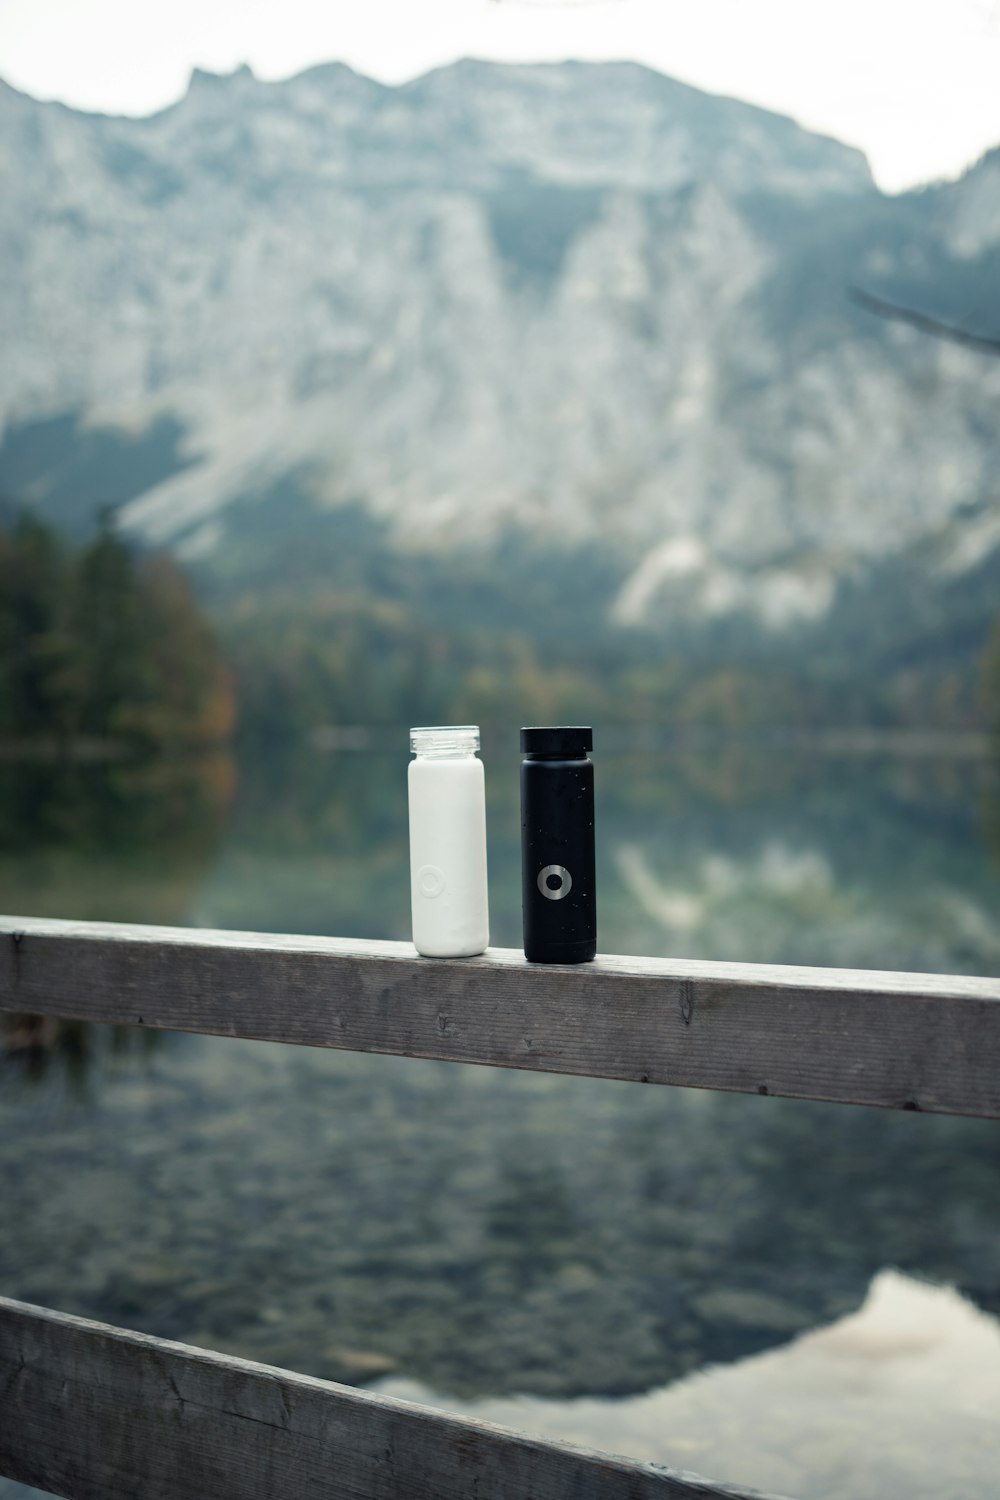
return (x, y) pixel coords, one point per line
(343, 659)
(98, 645)
(991, 680)
(346, 659)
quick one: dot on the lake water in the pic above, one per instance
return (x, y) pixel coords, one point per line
(794, 1296)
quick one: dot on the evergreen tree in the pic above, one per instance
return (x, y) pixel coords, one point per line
(991, 680)
(97, 646)
(106, 621)
(33, 648)
(192, 689)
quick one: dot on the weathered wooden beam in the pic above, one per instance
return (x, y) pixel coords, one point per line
(901, 1041)
(98, 1413)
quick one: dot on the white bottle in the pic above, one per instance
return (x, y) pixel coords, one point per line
(448, 842)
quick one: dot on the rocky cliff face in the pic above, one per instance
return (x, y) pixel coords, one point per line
(580, 301)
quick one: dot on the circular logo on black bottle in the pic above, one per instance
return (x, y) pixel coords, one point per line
(555, 882)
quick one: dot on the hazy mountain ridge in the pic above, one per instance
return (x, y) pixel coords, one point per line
(581, 302)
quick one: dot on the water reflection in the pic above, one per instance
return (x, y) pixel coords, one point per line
(484, 1232)
(115, 840)
(110, 841)
(719, 851)
(842, 860)
(489, 1234)
(44, 1045)
(838, 1412)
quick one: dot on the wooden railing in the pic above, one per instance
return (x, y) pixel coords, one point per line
(97, 1413)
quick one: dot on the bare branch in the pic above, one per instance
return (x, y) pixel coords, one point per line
(893, 311)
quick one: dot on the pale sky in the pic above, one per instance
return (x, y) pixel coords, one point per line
(914, 83)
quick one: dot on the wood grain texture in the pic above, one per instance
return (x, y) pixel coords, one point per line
(901, 1041)
(98, 1413)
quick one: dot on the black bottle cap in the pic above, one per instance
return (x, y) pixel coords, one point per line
(568, 740)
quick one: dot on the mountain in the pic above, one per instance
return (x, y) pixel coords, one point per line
(579, 305)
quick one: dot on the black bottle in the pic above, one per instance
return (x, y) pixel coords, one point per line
(558, 899)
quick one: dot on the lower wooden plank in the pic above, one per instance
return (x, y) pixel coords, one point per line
(900, 1041)
(97, 1413)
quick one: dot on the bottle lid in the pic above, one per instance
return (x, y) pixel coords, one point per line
(445, 739)
(568, 740)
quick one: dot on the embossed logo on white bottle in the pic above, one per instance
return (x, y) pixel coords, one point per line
(430, 881)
